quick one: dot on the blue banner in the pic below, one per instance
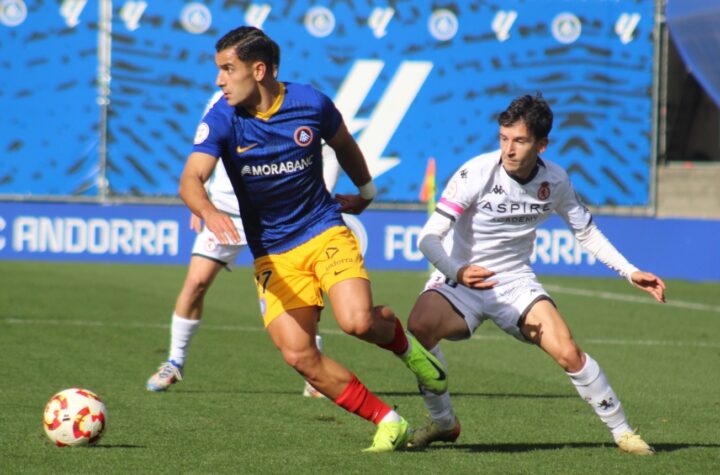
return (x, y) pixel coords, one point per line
(48, 111)
(671, 248)
(413, 80)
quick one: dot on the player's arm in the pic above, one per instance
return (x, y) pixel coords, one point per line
(592, 239)
(198, 169)
(353, 163)
(578, 217)
(196, 222)
(430, 243)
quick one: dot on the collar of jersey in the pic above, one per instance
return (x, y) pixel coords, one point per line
(539, 163)
(274, 107)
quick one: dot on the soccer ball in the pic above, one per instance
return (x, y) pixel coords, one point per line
(74, 417)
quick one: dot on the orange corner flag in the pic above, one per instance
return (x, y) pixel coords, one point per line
(427, 192)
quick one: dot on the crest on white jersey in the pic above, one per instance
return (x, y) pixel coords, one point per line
(544, 191)
(451, 190)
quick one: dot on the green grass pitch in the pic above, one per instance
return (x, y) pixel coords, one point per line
(239, 410)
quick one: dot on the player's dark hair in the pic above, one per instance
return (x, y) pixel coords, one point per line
(533, 110)
(276, 54)
(250, 44)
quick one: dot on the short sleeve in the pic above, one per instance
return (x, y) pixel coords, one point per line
(330, 117)
(212, 133)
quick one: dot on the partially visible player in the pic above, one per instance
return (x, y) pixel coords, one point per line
(269, 135)
(480, 238)
(209, 256)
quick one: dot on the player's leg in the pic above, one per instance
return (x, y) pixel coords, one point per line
(432, 319)
(308, 389)
(185, 320)
(189, 304)
(544, 326)
(290, 299)
(351, 300)
(293, 333)
(341, 272)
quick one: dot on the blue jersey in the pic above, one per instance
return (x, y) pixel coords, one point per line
(274, 161)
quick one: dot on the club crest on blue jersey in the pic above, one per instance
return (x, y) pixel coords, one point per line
(303, 136)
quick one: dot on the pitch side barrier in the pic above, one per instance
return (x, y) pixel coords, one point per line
(160, 234)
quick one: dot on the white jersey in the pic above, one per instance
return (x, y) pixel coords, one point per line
(496, 216)
(221, 191)
(219, 187)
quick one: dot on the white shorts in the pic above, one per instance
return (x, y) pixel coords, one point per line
(208, 246)
(506, 305)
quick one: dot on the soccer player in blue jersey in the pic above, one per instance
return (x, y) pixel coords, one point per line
(207, 260)
(268, 135)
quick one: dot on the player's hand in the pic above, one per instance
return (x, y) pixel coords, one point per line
(221, 226)
(352, 204)
(195, 222)
(476, 277)
(650, 283)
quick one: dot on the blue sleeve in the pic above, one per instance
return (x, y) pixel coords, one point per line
(330, 118)
(212, 133)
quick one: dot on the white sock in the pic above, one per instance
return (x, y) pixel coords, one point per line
(593, 387)
(181, 332)
(439, 405)
(391, 416)
(319, 343)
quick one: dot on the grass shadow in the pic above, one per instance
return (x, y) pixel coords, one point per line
(484, 395)
(117, 446)
(531, 447)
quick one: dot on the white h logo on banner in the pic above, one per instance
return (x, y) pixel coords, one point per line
(625, 26)
(378, 129)
(256, 14)
(131, 13)
(379, 20)
(71, 10)
(502, 23)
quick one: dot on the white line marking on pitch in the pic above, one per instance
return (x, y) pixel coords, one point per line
(494, 338)
(643, 299)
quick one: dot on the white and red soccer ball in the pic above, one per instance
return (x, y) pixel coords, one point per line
(74, 417)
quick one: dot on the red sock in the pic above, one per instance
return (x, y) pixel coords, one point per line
(356, 398)
(399, 343)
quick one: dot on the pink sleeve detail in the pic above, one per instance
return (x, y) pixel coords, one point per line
(456, 208)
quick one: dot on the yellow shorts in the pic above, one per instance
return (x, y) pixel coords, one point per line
(297, 278)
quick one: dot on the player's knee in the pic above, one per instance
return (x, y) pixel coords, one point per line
(383, 312)
(570, 358)
(360, 329)
(197, 286)
(358, 323)
(302, 361)
(419, 327)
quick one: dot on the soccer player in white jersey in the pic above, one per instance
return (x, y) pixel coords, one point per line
(480, 238)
